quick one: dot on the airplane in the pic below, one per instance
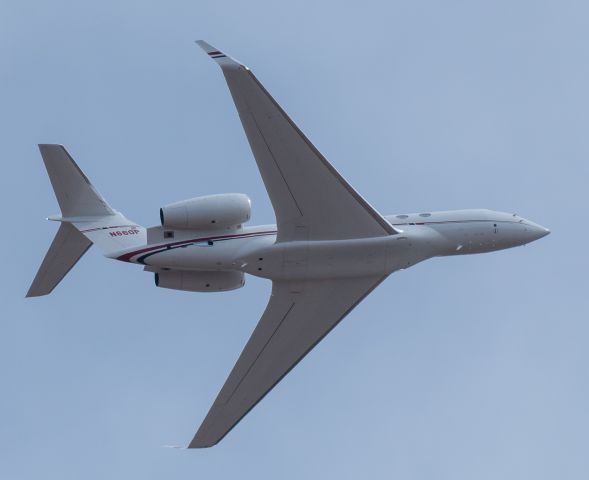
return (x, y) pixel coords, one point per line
(327, 252)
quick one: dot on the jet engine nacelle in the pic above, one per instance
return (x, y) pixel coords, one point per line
(226, 211)
(200, 281)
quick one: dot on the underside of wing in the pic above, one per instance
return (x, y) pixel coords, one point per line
(306, 191)
(297, 317)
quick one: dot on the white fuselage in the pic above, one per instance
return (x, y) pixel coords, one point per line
(254, 250)
(329, 250)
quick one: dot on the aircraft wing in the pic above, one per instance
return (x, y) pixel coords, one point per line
(311, 199)
(298, 316)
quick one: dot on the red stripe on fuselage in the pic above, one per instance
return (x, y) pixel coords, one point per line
(107, 228)
(126, 257)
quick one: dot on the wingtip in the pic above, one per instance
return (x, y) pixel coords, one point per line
(199, 446)
(46, 148)
(224, 60)
(32, 294)
(205, 438)
(206, 46)
(49, 145)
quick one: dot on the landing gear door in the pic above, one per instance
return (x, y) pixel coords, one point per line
(296, 254)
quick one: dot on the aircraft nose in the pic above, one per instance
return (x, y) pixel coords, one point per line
(535, 231)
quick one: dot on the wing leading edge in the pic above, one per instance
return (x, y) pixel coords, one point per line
(297, 317)
(306, 191)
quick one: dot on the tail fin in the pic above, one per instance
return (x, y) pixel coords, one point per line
(86, 219)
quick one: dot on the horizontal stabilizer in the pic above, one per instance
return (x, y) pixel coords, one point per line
(74, 192)
(67, 248)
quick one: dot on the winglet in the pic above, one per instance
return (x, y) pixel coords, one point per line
(220, 57)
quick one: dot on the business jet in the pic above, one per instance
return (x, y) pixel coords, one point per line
(328, 250)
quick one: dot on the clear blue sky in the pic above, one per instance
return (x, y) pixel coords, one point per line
(459, 368)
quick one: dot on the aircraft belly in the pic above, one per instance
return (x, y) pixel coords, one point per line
(301, 259)
(323, 259)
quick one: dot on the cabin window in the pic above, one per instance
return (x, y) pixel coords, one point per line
(403, 216)
(168, 234)
(425, 214)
